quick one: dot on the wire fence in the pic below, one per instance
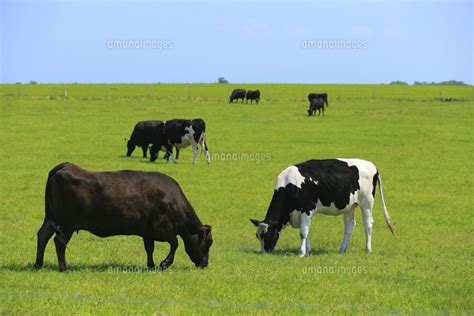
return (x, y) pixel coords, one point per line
(269, 92)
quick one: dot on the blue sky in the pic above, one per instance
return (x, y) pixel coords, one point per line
(244, 41)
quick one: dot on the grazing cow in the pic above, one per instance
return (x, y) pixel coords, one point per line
(181, 134)
(236, 95)
(330, 187)
(142, 136)
(252, 95)
(317, 104)
(312, 96)
(146, 204)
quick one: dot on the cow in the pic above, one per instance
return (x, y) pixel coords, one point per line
(142, 136)
(312, 96)
(236, 95)
(181, 134)
(252, 95)
(317, 104)
(146, 204)
(329, 187)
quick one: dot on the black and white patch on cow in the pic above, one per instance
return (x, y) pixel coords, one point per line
(182, 134)
(329, 187)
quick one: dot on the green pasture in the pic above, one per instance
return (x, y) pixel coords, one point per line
(422, 146)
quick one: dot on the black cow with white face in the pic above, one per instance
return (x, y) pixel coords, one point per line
(180, 134)
(324, 96)
(330, 187)
(252, 95)
(142, 136)
(146, 204)
(236, 95)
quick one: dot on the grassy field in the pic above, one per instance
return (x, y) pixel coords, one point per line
(422, 147)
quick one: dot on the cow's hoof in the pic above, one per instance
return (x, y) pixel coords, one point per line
(37, 266)
(301, 255)
(164, 265)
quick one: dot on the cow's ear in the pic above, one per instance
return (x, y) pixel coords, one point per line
(205, 231)
(255, 222)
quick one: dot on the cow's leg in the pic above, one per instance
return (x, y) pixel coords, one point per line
(169, 150)
(170, 258)
(305, 222)
(149, 248)
(368, 222)
(44, 234)
(195, 151)
(349, 224)
(144, 148)
(204, 147)
(177, 153)
(60, 241)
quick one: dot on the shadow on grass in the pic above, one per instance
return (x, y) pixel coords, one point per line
(131, 157)
(113, 268)
(292, 252)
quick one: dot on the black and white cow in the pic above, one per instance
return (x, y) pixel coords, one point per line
(181, 134)
(329, 187)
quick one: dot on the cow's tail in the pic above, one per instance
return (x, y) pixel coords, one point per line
(50, 217)
(385, 212)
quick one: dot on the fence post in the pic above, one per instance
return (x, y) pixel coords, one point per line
(65, 91)
(19, 90)
(189, 92)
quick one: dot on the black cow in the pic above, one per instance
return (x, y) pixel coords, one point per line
(180, 134)
(312, 96)
(146, 204)
(317, 104)
(236, 95)
(252, 95)
(142, 136)
(330, 187)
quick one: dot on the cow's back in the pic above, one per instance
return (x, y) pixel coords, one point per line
(113, 203)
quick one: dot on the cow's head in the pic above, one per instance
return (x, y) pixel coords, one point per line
(130, 147)
(197, 246)
(267, 234)
(154, 152)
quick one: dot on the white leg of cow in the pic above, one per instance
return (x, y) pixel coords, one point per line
(204, 147)
(368, 222)
(308, 245)
(196, 152)
(349, 224)
(305, 222)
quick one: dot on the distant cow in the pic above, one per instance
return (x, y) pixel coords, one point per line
(236, 95)
(312, 96)
(330, 187)
(181, 134)
(142, 136)
(317, 104)
(146, 204)
(252, 95)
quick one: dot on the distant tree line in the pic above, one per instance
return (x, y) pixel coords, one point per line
(425, 83)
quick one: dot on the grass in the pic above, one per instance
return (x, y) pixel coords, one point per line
(423, 149)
